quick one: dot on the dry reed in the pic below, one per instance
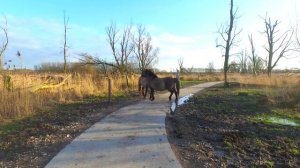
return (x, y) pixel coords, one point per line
(32, 92)
(29, 94)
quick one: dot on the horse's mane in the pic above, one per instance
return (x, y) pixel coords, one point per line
(149, 73)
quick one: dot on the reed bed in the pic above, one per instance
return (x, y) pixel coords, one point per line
(282, 90)
(28, 93)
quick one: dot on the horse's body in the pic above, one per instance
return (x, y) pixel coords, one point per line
(155, 83)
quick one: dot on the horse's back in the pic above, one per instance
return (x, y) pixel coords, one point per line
(160, 84)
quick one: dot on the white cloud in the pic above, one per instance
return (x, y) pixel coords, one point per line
(194, 50)
(41, 40)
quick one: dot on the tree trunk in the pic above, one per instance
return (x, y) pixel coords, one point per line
(65, 43)
(228, 45)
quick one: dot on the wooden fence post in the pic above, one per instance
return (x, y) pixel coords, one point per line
(178, 75)
(109, 90)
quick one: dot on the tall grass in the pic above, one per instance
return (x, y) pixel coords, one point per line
(32, 92)
(283, 90)
(196, 76)
(276, 80)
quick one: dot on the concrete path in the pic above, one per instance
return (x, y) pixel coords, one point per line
(132, 137)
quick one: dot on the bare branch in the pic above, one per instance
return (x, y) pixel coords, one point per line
(89, 59)
(143, 50)
(282, 42)
(229, 37)
(5, 42)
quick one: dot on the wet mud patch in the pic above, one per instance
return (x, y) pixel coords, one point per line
(219, 128)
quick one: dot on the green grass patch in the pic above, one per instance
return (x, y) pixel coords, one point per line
(264, 128)
(269, 163)
(275, 119)
(57, 111)
(184, 83)
(10, 128)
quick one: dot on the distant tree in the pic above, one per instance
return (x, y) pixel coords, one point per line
(242, 62)
(228, 35)
(121, 47)
(297, 45)
(104, 66)
(144, 52)
(234, 67)
(210, 67)
(4, 43)
(256, 64)
(180, 64)
(66, 20)
(278, 45)
(189, 70)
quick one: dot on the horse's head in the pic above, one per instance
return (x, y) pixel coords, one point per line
(148, 73)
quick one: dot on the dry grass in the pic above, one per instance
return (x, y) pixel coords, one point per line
(196, 76)
(276, 80)
(32, 92)
(282, 90)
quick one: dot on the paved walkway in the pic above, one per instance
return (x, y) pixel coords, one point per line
(132, 137)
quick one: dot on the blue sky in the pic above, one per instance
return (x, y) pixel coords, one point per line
(179, 28)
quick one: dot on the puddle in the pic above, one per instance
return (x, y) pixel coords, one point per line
(282, 121)
(181, 101)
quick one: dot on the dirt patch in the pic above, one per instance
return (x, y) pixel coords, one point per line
(42, 136)
(217, 128)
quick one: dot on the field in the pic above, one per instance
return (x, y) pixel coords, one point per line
(41, 112)
(24, 94)
(27, 93)
(253, 123)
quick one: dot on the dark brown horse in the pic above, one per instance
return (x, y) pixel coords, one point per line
(152, 81)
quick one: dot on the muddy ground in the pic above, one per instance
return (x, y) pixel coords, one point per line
(219, 128)
(42, 136)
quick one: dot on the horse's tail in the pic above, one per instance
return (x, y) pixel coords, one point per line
(140, 84)
(177, 85)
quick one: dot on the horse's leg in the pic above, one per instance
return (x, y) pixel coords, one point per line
(144, 91)
(176, 96)
(170, 97)
(152, 94)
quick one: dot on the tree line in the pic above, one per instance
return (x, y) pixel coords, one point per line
(279, 44)
(131, 48)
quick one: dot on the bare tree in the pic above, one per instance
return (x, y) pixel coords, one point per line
(228, 35)
(242, 62)
(4, 43)
(256, 63)
(180, 64)
(66, 20)
(297, 43)
(278, 44)
(121, 47)
(144, 52)
(210, 67)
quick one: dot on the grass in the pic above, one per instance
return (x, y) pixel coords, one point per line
(62, 114)
(31, 92)
(184, 83)
(250, 112)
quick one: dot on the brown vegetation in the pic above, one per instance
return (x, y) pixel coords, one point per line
(22, 94)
